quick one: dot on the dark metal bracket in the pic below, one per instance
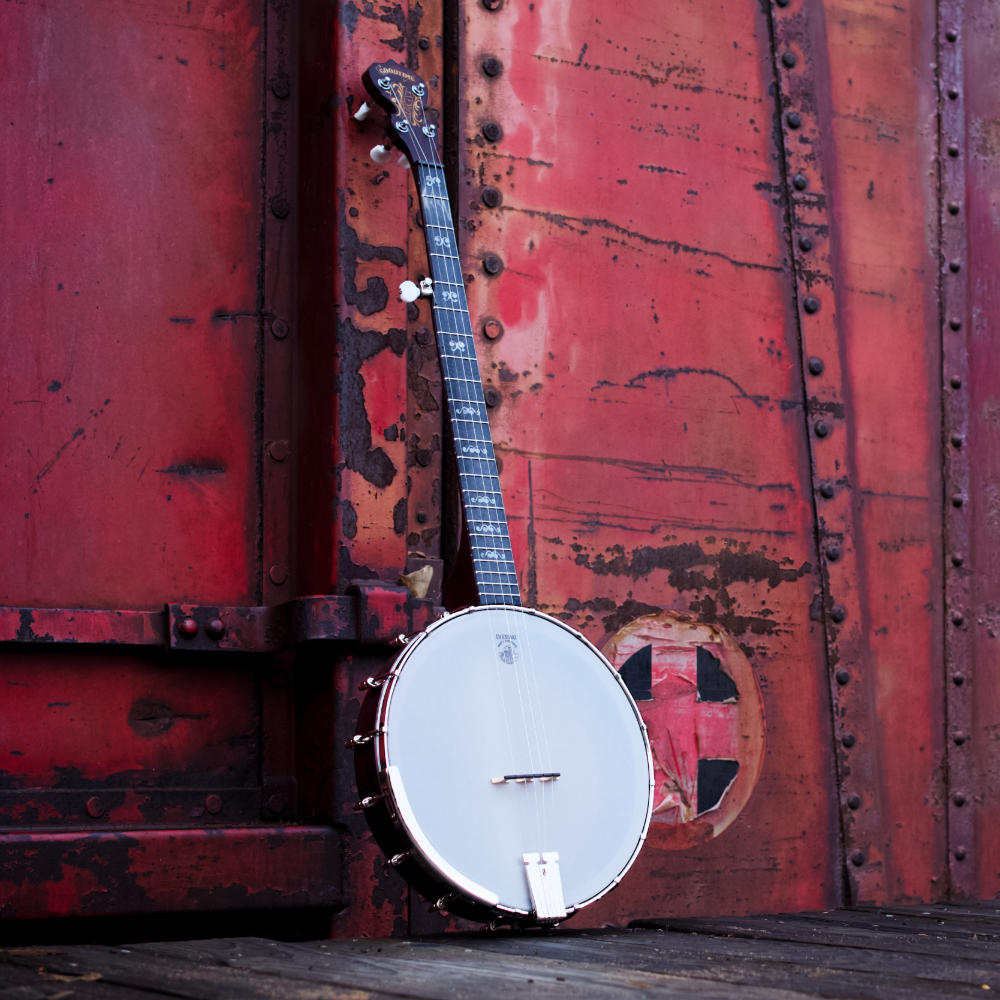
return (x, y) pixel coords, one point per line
(371, 612)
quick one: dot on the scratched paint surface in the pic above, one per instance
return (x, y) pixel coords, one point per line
(128, 446)
(652, 429)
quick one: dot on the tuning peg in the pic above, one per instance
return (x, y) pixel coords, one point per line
(380, 153)
(363, 112)
(409, 291)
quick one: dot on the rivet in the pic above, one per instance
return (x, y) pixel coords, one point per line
(421, 517)
(955, 323)
(278, 574)
(843, 677)
(279, 329)
(816, 366)
(811, 304)
(838, 613)
(423, 457)
(847, 740)
(951, 34)
(800, 182)
(952, 94)
(187, 627)
(957, 500)
(826, 491)
(959, 853)
(492, 329)
(954, 208)
(492, 264)
(277, 802)
(857, 859)
(959, 798)
(953, 150)
(805, 243)
(822, 429)
(278, 450)
(492, 396)
(956, 440)
(281, 87)
(213, 803)
(955, 266)
(833, 553)
(782, 3)
(789, 59)
(216, 628)
(958, 679)
(94, 807)
(492, 66)
(956, 381)
(958, 618)
(794, 119)
(280, 208)
(492, 5)
(423, 336)
(492, 131)
(957, 559)
(960, 738)
(854, 802)
(491, 197)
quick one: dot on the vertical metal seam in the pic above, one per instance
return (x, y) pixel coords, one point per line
(825, 594)
(259, 346)
(956, 533)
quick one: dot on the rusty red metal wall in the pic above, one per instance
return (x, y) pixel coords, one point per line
(732, 279)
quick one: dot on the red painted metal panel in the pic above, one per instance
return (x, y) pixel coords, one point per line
(973, 295)
(651, 425)
(132, 260)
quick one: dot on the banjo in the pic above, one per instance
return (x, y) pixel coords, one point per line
(502, 764)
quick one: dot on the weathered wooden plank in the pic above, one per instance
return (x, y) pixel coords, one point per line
(36, 982)
(441, 969)
(143, 973)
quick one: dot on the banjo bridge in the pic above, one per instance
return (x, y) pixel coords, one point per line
(523, 779)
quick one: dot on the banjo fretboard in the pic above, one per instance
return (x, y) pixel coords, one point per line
(493, 560)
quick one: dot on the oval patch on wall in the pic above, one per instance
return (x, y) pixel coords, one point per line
(704, 712)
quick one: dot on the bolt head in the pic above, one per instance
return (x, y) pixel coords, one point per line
(833, 552)
(805, 243)
(281, 87)
(811, 304)
(959, 798)
(492, 132)
(956, 382)
(960, 853)
(958, 679)
(187, 627)
(854, 802)
(847, 740)
(957, 559)
(215, 629)
(278, 574)
(492, 263)
(789, 59)
(843, 677)
(816, 366)
(424, 43)
(955, 323)
(838, 613)
(492, 396)
(857, 859)
(952, 94)
(279, 329)
(213, 803)
(822, 429)
(960, 738)
(951, 34)
(794, 119)
(953, 150)
(955, 266)
(826, 491)
(94, 807)
(954, 208)
(492, 329)
(280, 208)
(492, 197)
(492, 66)
(800, 182)
(957, 500)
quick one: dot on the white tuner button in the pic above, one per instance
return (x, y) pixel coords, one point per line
(409, 291)
(363, 112)
(380, 154)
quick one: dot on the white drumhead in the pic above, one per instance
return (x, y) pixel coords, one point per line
(495, 691)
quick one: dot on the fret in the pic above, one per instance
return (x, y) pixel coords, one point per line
(482, 500)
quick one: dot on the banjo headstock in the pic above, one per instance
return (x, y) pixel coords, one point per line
(402, 93)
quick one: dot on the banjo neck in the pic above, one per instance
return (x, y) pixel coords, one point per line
(482, 500)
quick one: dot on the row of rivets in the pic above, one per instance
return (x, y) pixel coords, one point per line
(828, 450)
(954, 358)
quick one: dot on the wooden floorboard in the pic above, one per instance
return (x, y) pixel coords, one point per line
(917, 952)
